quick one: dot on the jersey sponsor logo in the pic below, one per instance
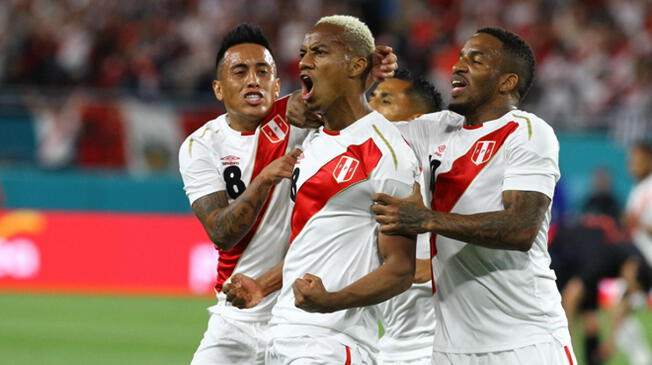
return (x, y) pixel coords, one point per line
(230, 160)
(345, 169)
(276, 130)
(482, 152)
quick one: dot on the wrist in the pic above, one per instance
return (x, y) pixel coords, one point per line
(331, 302)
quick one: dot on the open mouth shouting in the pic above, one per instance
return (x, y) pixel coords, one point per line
(458, 84)
(306, 86)
(253, 98)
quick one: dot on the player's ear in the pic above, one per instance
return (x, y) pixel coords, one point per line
(277, 88)
(358, 66)
(217, 90)
(507, 82)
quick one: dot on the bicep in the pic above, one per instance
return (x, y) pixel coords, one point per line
(398, 250)
(210, 205)
(530, 205)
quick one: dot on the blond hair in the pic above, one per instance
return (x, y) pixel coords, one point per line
(356, 34)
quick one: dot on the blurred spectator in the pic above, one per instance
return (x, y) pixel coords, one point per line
(57, 124)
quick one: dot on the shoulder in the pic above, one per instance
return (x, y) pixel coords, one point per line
(396, 150)
(201, 138)
(533, 131)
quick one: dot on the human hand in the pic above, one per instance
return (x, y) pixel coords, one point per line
(281, 168)
(243, 291)
(405, 216)
(311, 295)
(298, 114)
(384, 65)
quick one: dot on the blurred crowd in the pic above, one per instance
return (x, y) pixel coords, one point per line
(594, 56)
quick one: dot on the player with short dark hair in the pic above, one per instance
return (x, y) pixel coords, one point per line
(492, 179)
(408, 318)
(405, 97)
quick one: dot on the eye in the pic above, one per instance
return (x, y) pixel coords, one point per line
(301, 54)
(263, 72)
(386, 102)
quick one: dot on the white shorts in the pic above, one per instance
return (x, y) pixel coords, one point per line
(311, 350)
(549, 353)
(230, 342)
(420, 361)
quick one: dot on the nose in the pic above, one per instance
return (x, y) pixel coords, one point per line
(252, 79)
(460, 66)
(305, 62)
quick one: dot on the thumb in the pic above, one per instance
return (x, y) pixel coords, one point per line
(295, 153)
(416, 188)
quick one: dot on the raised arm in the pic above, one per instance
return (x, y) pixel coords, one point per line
(226, 224)
(513, 228)
(394, 276)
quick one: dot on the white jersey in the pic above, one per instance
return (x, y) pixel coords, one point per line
(333, 229)
(409, 318)
(482, 294)
(639, 205)
(218, 158)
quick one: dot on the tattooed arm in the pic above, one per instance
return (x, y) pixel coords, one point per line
(513, 228)
(226, 224)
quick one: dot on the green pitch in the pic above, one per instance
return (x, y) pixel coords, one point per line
(42, 329)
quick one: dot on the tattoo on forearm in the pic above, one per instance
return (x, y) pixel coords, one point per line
(512, 228)
(226, 223)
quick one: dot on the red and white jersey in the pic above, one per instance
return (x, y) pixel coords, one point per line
(218, 158)
(333, 229)
(409, 318)
(483, 294)
(639, 205)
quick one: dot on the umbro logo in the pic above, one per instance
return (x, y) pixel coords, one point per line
(230, 160)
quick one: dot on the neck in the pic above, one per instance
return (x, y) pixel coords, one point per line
(491, 112)
(241, 124)
(345, 111)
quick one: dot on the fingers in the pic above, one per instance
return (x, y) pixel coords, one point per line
(295, 153)
(382, 198)
(310, 278)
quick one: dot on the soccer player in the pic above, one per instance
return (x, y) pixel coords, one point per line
(233, 170)
(405, 97)
(337, 265)
(492, 179)
(408, 318)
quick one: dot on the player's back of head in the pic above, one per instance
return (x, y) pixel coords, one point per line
(519, 58)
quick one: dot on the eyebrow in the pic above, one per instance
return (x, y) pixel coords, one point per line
(259, 64)
(472, 52)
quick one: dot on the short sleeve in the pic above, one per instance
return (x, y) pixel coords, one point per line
(199, 169)
(532, 159)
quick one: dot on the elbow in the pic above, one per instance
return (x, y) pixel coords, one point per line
(525, 240)
(220, 241)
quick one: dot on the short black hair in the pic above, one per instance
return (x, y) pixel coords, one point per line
(422, 90)
(243, 33)
(521, 56)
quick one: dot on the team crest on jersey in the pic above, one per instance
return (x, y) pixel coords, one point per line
(345, 169)
(483, 152)
(276, 129)
(230, 160)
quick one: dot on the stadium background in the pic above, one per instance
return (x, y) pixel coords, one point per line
(100, 259)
